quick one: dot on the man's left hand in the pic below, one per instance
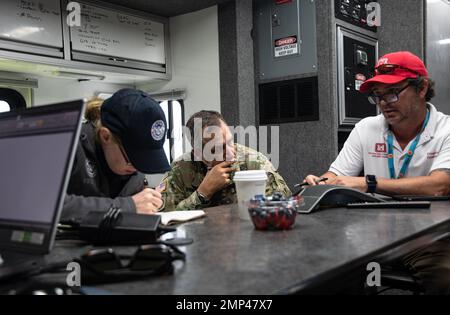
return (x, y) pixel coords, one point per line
(351, 182)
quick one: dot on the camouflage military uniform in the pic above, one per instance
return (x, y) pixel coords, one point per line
(181, 183)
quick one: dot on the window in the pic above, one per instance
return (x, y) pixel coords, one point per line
(104, 96)
(4, 107)
(11, 99)
(174, 111)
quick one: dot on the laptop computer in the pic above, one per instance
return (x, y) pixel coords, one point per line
(37, 148)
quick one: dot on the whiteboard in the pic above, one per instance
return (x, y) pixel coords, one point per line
(108, 32)
(32, 21)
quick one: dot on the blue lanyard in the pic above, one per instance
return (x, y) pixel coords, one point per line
(411, 151)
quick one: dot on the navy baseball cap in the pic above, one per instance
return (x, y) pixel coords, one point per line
(140, 124)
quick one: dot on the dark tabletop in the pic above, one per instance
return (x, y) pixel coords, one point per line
(229, 256)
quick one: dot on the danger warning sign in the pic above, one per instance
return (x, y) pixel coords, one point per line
(286, 46)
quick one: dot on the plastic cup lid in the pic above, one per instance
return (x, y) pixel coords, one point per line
(248, 176)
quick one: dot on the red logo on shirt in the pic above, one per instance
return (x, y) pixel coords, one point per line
(380, 148)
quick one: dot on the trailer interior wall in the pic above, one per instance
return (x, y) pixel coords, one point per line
(195, 61)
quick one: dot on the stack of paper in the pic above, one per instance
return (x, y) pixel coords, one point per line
(174, 217)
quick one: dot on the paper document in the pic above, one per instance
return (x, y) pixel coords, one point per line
(174, 217)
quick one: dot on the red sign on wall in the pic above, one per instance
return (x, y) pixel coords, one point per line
(286, 46)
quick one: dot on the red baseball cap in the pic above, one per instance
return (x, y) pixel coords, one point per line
(396, 67)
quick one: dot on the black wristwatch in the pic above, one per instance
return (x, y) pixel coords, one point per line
(371, 181)
(202, 198)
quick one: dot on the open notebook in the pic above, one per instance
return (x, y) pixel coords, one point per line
(175, 217)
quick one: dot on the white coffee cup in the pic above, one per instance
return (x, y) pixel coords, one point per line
(248, 185)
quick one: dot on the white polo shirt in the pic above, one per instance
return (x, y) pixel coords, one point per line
(367, 149)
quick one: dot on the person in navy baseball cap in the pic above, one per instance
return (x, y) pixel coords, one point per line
(121, 139)
(140, 124)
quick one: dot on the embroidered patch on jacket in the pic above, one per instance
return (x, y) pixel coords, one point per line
(91, 169)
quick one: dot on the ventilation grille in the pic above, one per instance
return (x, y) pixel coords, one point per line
(289, 101)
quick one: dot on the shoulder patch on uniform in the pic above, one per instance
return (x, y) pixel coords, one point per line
(162, 187)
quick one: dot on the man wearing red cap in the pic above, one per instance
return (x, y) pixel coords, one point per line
(404, 151)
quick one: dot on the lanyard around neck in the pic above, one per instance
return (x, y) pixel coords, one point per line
(411, 151)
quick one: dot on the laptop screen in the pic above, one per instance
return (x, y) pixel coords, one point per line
(37, 147)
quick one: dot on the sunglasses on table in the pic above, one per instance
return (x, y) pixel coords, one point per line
(99, 266)
(106, 266)
(155, 257)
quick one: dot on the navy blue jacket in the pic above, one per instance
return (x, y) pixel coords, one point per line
(93, 186)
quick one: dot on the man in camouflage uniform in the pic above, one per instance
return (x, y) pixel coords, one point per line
(198, 183)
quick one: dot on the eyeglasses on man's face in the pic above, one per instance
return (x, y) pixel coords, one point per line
(389, 97)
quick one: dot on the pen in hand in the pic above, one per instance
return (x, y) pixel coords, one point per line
(160, 188)
(306, 184)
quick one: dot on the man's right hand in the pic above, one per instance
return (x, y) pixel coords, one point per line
(147, 201)
(216, 179)
(313, 180)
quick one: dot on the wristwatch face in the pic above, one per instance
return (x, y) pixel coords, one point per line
(371, 183)
(371, 179)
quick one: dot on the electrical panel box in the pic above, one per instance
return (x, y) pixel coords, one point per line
(354, 12)
(357, 56)
(286, 38)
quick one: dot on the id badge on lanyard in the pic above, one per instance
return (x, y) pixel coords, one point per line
(411, 152)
